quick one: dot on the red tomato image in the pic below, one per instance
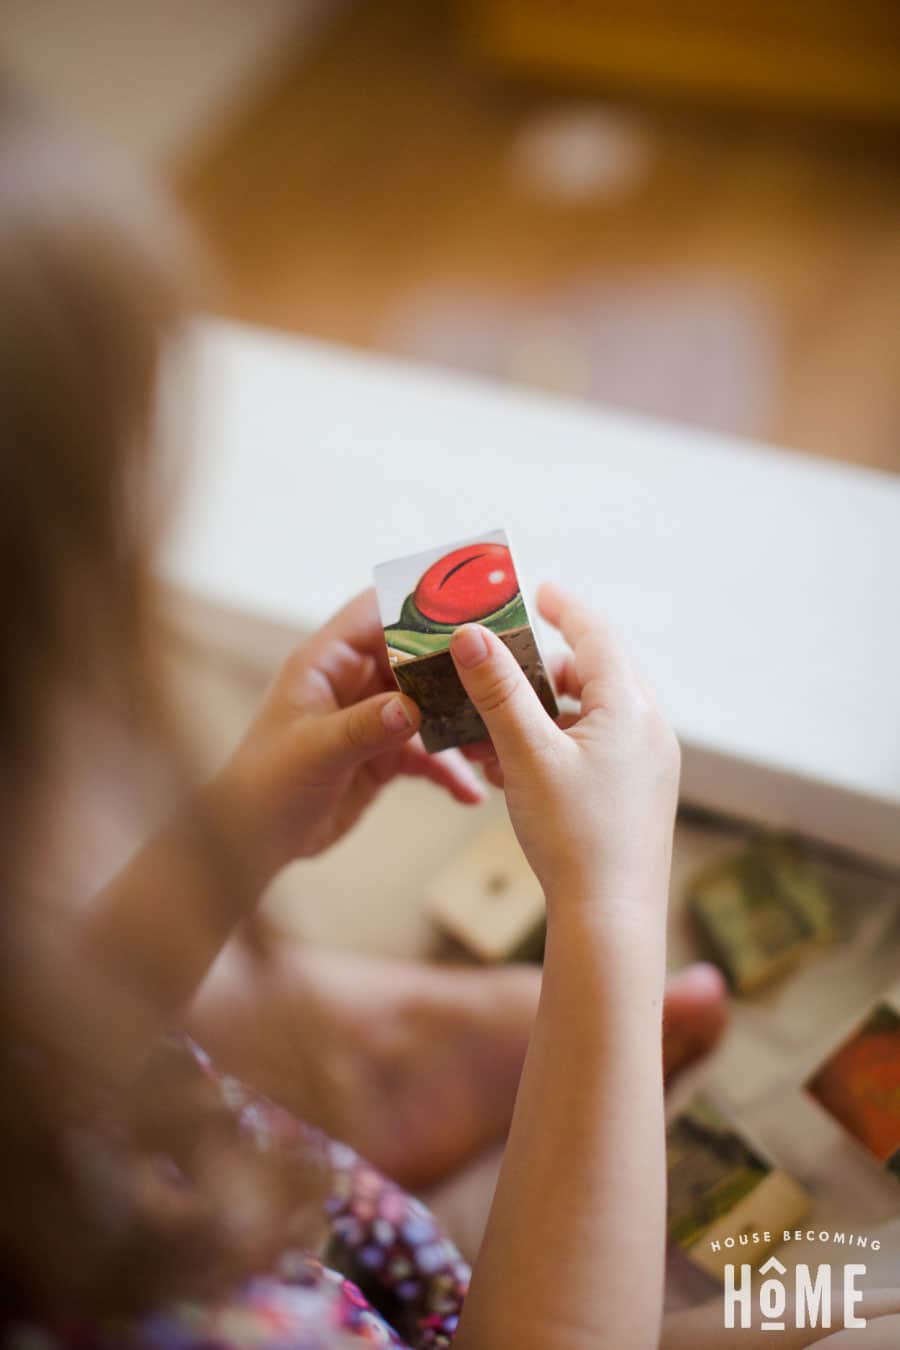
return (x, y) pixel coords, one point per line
(467, 584)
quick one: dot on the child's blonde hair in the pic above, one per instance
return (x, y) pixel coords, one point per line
(90, 293)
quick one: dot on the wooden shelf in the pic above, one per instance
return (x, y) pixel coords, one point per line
(829, 56)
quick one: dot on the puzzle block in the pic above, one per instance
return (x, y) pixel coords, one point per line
(859, 1084)
(761, 912)
(489, 900)
(423, 599)
(721, 1187)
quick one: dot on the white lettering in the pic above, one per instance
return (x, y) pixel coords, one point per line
(812, 1296)
(852, 1296)
(735, 1295)
(772, 1301)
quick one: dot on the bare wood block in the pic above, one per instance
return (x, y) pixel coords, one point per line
(488, 899)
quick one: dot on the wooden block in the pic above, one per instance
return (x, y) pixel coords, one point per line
(489, 900)
(448, 716)
(859, 1084)
(722, 1187)
(777, 1204)
(760, 912)
(424, 598)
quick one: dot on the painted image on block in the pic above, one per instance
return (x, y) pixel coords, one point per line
(710, 1170)
(760, 912)
(424, 598)
(859, 1084)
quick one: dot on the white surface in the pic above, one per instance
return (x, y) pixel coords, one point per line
(759, 591)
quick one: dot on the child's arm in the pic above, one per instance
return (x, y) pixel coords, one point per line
(573, 1255)
(331, 732)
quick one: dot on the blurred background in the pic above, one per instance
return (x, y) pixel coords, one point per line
(687, 209)
(691, 210)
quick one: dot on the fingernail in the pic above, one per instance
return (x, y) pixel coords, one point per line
(707, 977)
(469, 646)
(395, 716)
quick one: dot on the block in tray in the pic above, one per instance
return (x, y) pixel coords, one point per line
(859, 1084)
(721, 1187)
(424, 598)
(760, 912)
(488, 899)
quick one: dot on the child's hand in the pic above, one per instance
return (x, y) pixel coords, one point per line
(593, 804)
(332, 731)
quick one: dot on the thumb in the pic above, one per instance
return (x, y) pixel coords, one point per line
(362, 731)
(516, 722)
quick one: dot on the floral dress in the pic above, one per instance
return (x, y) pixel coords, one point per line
(389, 1276)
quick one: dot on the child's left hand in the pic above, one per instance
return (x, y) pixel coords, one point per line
(332, 730)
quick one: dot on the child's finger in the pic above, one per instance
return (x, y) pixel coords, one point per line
(359, 623)
(512, 713)
(322, 675)
(357, 626)
(600, 665)
(565, 677)
(359, 733)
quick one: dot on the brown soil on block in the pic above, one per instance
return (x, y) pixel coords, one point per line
(448, 718)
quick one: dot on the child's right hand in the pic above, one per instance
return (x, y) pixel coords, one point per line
(592, 804)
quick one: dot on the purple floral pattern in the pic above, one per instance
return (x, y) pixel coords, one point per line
(390, 1276)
